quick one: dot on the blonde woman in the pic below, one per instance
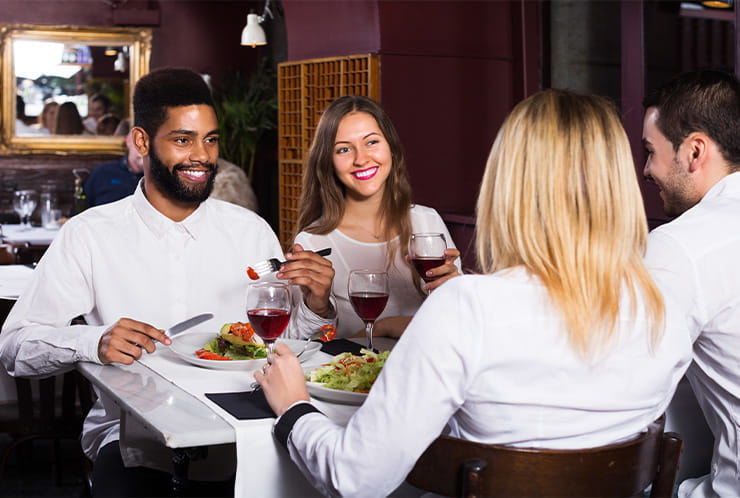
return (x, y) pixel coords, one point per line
(563, 342)
(47, 119)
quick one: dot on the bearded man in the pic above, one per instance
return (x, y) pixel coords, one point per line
(145, 262)
(691, 132)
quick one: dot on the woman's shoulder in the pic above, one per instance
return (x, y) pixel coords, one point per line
(311, 240)
(421, 210)
(425, 219)
(504, 282)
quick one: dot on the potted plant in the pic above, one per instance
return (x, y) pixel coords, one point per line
(247, 109)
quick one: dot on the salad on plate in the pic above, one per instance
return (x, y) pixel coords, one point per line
(235, 341)
(349, 372)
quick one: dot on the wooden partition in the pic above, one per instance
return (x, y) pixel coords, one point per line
(305, 88)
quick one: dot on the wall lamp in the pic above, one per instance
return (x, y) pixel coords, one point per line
(253, 34)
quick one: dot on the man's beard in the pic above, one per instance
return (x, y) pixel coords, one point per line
(170, 184)
(677, 191)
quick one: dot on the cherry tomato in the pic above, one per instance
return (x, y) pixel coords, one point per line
(209, 355)
(330, 332)
(243, 330)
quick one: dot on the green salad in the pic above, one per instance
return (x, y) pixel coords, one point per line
(235, 351)
(349, 372)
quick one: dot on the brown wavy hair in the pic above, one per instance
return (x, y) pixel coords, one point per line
(322, 202)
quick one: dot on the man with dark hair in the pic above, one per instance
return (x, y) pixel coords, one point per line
(163, 254)
(115, 180)
(98, 105)
(691, 132)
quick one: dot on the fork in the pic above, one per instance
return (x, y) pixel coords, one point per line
(273, 264)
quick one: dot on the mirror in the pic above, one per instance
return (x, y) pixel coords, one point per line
(68, 89)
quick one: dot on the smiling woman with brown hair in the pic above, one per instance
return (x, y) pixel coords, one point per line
(562, 343)
(357, 200)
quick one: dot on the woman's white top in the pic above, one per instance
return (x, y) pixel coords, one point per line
(349, 254)
(488, 356)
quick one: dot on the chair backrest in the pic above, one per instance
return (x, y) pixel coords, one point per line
(8, 254)
(20, 253)
(454, 467)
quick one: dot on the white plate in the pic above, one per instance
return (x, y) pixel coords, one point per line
(318, 390)
(185, 346)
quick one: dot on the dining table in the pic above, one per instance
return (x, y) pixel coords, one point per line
(13, 280)
(35, 236)
(188, 408)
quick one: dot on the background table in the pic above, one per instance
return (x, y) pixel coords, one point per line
(13, 280)
(36, 236)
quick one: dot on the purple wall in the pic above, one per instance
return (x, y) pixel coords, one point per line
(329, 28)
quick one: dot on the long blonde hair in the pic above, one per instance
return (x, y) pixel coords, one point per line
(560, 198)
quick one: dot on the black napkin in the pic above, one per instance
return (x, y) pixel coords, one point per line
(341, 346)
(247, 405)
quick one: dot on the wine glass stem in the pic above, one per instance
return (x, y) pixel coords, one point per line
(369, 334)
(270, 347)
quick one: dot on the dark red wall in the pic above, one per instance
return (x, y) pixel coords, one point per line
(446, 79)
(330, 28)
(203, 35)
(450, 72)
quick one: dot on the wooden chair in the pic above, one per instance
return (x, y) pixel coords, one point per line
(454, 467)
(8, 253)
(20, 253)
(40, 414)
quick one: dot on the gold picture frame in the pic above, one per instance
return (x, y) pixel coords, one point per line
(135, 43)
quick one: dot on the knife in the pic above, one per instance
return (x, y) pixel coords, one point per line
(190, 322)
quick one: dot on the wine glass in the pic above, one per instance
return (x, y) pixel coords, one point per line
(268, 310)
(368, 292)
(427, 251)
(24, 203)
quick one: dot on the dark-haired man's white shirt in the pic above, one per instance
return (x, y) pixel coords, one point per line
(126, 259)
(696, 258)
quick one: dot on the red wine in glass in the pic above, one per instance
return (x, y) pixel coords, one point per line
(269, 324)
(268, 310)
(368, 305)
(427, 251)
(424, 264)
(368, 292)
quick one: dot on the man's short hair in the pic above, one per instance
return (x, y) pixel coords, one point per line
(164, 88)
(703, 101)
(103, 99)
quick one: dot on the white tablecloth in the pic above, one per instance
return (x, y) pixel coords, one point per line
(13, 280)
(263, 467)
(36, 235)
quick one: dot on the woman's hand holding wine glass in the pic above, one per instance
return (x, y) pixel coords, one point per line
(368, 292)
(428, 253)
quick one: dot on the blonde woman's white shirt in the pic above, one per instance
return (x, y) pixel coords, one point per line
(349, 254)
(488, 357)
(126, 259)
(695, 259)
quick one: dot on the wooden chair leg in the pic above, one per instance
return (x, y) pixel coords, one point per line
(471, 485)
(670, 453)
